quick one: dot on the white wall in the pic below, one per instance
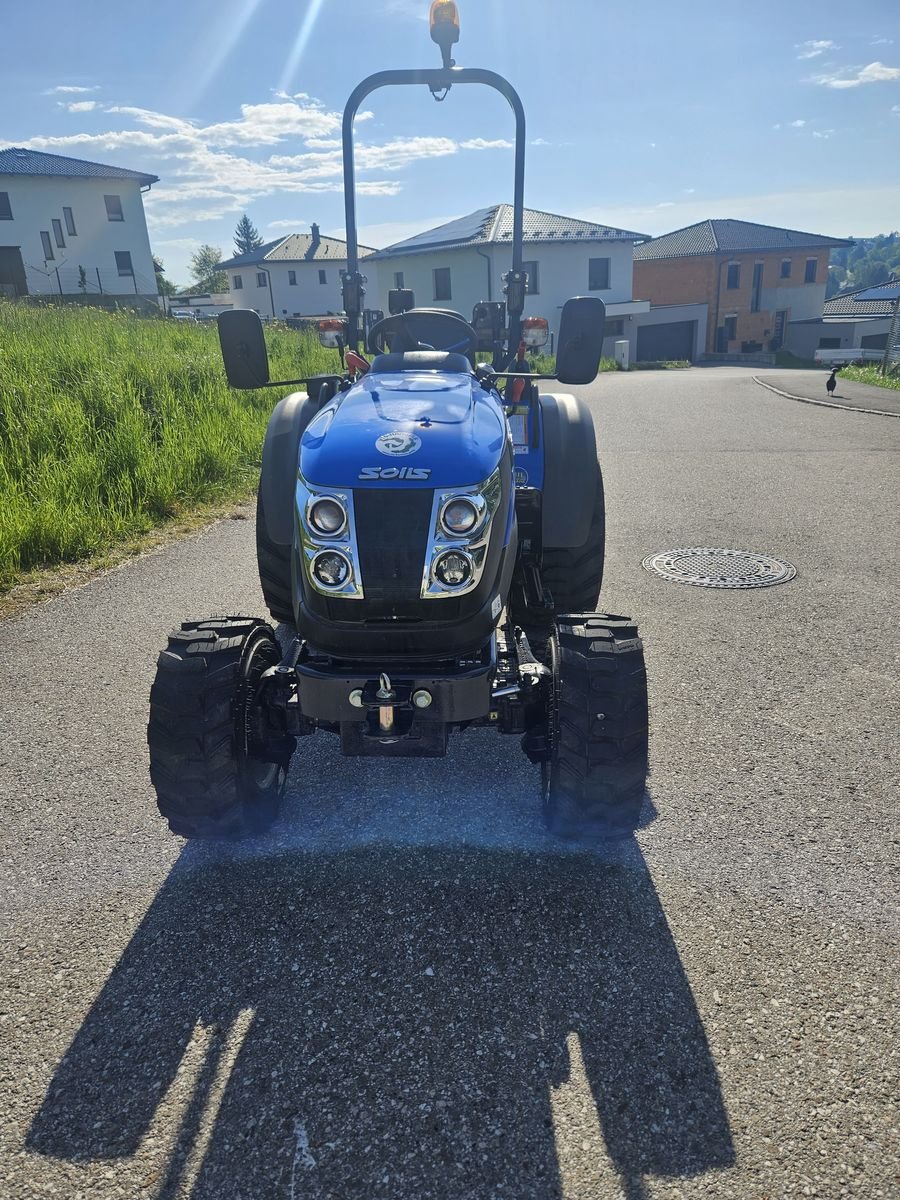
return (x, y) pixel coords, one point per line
(805, 300)
(562, 273)
(35, 200)
(306, 298)
(802, 338)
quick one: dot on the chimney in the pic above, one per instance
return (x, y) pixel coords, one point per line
(315, 234)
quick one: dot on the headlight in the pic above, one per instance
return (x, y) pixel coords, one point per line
(327, 516)
(331, 569)
(460, 515)
(453, 569)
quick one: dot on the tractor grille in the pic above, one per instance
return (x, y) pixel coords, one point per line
(391, 538)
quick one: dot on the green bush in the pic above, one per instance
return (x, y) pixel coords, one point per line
(872, 374)
(111, 423)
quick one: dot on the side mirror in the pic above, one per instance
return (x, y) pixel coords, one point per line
(243, 348)
(332, 333)
(580, 342)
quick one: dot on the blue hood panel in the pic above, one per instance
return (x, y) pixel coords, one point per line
(460, 426)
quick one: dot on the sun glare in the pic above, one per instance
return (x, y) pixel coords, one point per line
(305, 32)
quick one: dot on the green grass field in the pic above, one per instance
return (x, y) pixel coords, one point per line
(110, 424)
(872, 374)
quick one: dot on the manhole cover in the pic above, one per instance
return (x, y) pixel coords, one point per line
(718, 568)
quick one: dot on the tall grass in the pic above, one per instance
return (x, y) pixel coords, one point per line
(112, 423)
(871, 373)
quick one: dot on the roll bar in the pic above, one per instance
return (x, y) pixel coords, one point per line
(437, 81)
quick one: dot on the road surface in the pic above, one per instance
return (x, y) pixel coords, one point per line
(407, 991)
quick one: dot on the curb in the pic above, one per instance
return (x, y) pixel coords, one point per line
(873, 412)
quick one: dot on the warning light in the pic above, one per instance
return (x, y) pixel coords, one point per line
(444, 22)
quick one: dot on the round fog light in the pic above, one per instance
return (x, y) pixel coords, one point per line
(331, 569)
(327, 516)
(453, 569)
(459, 516)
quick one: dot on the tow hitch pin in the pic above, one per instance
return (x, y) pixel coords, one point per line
(385, 711)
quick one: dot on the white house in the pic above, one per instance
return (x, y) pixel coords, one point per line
(860, 319)
(462, 263)
(294, 276)
(72, 228)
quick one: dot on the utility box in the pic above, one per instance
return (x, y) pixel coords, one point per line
(621, 353)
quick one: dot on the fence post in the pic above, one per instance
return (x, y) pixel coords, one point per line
(58, 283)
(99, 281)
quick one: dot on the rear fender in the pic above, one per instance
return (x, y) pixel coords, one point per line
(570, 470)
(280, 458)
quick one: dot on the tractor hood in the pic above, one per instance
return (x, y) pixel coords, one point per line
(412, 429)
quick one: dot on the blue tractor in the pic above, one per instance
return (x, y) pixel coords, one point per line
(430, 534)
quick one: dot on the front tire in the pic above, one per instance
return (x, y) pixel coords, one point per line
(215, 772)
(594, 781)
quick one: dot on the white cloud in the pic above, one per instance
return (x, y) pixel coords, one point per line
(666, 204)
(798, 124)
(875, 72)
(689, 191)
(483, 144)
(63, 89)
(778, 126)
(881, 41)
(541, 142)
(813, 49)
(823, 134)
(290, 223)
(896, 110)
(78, 106)
(209, 172)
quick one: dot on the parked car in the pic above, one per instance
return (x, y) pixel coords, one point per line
(183, 314)
(843, 358)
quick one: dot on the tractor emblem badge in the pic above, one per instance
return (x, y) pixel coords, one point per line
(398, 445)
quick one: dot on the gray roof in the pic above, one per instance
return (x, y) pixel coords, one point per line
(494, 225)
(731, 237)
(16, 161)
(295, 248)
(845, 304)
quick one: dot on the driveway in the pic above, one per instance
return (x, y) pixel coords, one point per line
(408, 991)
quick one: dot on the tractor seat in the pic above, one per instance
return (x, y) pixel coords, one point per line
(421, 360)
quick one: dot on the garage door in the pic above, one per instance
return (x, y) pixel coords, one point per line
(675, 339)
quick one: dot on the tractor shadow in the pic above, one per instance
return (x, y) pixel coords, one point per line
(429, 1018)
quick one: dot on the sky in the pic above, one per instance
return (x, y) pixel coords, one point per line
(648, 117)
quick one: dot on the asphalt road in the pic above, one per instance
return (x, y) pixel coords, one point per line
(407, 991)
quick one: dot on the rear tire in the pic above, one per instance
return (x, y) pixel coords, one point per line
(573, 575)
(274, 564)
(594, 782)
(213, 775)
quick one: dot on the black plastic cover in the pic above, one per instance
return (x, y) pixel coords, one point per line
(243, 348)
(580, 342)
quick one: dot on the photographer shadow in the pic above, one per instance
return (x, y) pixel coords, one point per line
(394, 1021)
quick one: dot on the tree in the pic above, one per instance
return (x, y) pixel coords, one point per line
(246, 236)
(204, 268)
(164, 286)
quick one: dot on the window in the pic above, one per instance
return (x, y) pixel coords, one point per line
(830, 343)
(114, 208)
(323, 278)
(57, 233)
(47, 244)
(70, 222)
(731, 328)
(810, 274)
(398, 280)
(614, 327)
(756, 295)
(260, 279)
(238, 283)
(442, 287)
(5, 207)
(785, 268)
(123, 262)
(598, 274)
(734, 276)
(292, 278)
(534, 277)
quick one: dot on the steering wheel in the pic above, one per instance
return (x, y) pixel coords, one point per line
(423, 329)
